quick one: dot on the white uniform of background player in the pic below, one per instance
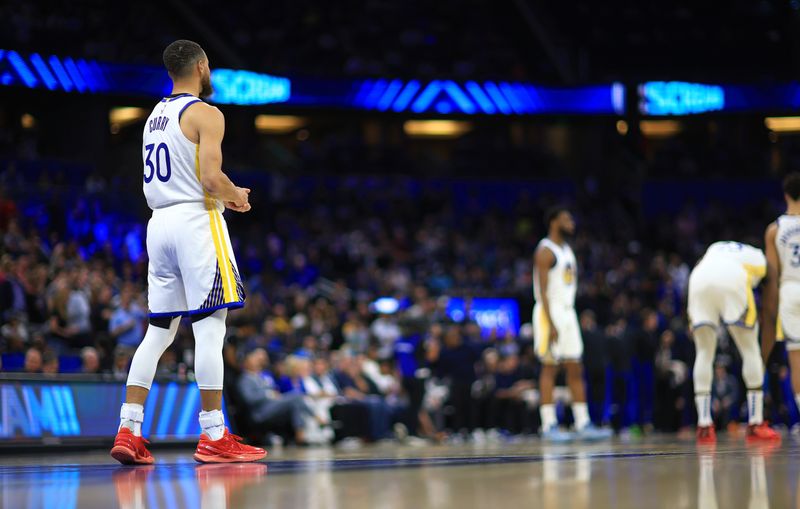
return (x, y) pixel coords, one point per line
(721, 294)
(557, 335)
(787, 243)
(561, 288)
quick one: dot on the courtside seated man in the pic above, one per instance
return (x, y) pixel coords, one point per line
(192, 271)
(557, 334)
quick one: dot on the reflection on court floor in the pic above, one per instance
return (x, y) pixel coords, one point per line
(656, 472)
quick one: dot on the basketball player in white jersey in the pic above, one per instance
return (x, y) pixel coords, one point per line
(192, 271)
(557, 334)
(781, 301)
(721, 294)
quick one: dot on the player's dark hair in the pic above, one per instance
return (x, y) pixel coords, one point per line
(791, 185)
(552, 213)
(180, 56)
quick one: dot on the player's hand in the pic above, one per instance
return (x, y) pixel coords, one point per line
(553, 338)
(242, 202)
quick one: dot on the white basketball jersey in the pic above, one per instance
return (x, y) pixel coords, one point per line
(562, 281)
(787, 242)
(171, 161)
(751, 258)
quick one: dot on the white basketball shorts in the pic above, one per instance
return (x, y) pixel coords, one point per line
(789, 314)
(192, 268)
(719, 292)
(569, 345)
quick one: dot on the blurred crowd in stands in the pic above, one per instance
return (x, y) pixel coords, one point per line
(519, 40)
(311, 346)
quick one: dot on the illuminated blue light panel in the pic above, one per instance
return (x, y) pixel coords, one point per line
(87, 76)
(445, 97)
(679, 98)
(247, 88)
(41, 409)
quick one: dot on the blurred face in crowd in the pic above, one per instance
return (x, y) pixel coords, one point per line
(490, 358)
(33, 361)
(452, 338)
(50, 364)
(720, 371)
(588, 321)
(91, 361)
(256, 361)
(667, 338)
(651, 321)
(320, 366)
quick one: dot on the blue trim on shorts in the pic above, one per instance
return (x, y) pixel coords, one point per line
(229, 305)
(740, 323)
(714, 326)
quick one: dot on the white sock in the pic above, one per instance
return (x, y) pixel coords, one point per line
(580, 413)
(703, 402)
(548, 415)
(213, 424)
(131, 416)
(755, 406)
(797, 400)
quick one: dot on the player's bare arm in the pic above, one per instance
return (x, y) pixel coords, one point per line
(769, 306)
(544, 260)
(205, 125)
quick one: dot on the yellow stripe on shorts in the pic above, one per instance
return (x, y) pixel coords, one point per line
(753, 272)
(544, 326)
(779, 336)
(220, 246)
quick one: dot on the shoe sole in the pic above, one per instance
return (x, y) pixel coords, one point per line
(205, 458)
(764, 440)
(128, 457)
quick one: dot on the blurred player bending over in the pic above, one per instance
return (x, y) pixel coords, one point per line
(192, 269)
(721, 293)
(782, 293)
(557, 335)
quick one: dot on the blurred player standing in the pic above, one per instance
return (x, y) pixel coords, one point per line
(557, 334)
(721, 294)
(781, 303)
(192, 269)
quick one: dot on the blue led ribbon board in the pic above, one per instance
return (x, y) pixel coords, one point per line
(679, 98)
(445, 97)
(248, 88)
(88, 76)
(38, 410)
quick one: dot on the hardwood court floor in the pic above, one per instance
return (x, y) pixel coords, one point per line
(653, 472)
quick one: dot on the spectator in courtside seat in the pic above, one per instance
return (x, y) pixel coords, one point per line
(270, 410)
(50, 363)
(33, 361)
(90, 360)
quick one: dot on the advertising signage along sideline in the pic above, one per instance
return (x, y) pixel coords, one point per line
(60, 411)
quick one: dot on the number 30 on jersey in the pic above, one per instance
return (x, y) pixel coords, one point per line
(153, 163)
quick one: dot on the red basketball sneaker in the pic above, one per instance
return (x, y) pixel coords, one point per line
(227, 449)
(762, 433)
(131, 450)
(706, 435)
